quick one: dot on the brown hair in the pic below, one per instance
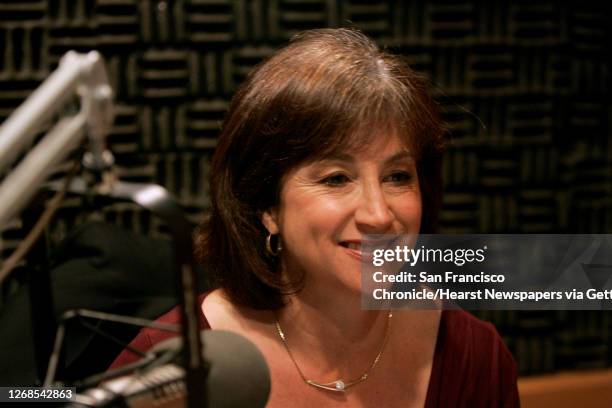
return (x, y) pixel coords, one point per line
(327, 90)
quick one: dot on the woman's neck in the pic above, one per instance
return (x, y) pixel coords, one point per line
(331, 328)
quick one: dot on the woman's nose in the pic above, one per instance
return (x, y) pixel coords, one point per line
(373, 215)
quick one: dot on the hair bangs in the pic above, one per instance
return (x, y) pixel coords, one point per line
(382, 113)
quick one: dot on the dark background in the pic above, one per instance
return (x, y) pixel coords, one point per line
(524, 86)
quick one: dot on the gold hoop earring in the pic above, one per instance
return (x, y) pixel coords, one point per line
(279, 245)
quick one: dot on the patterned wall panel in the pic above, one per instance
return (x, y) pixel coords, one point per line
(524, 87)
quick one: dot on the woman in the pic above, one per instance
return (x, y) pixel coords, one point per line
(329, 140)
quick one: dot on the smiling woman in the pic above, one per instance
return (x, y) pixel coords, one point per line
(327, 97)
(329, 140)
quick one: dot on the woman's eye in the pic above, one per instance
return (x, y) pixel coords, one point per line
(336, 180)
(399, 177)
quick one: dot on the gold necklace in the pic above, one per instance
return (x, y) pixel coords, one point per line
(338, 385)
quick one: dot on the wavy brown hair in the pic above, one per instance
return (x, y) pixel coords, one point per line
(328, 90)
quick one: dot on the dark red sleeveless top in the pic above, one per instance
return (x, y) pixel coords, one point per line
(472, 367)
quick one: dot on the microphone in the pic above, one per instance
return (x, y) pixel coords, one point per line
(238, 376)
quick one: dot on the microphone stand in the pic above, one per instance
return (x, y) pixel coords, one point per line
(158, 201)
(86, 76)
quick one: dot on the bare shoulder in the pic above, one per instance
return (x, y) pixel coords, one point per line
(214, 303)
(219, 310)
(222, 314)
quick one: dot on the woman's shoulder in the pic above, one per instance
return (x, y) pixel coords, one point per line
(460, 331)
(472, 363)
(222, 313)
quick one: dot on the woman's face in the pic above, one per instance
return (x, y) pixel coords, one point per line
(327, 208)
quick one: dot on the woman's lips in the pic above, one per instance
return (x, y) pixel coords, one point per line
(353, 249)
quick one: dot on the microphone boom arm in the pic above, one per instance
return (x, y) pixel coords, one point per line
(80, 74)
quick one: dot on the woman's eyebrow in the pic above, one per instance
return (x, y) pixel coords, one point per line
(399, 156)
(338, 157)
(348, 158)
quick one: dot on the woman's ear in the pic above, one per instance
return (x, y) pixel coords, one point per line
(269, 218)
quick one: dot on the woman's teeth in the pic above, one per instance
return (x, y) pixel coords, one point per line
(354, 246)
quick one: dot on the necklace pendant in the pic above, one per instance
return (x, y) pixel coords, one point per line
(336, 386)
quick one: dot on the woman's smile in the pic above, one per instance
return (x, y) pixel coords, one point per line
(355, 250)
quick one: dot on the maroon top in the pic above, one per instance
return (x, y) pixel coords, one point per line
(472, 367)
